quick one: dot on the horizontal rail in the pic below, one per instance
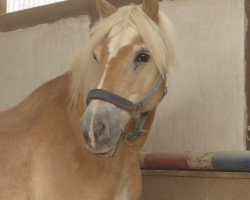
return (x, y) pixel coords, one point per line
(229, 161)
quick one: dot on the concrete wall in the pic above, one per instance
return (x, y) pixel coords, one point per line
(32, 56)
(205, 107)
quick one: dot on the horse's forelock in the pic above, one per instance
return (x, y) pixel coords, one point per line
(158, 38)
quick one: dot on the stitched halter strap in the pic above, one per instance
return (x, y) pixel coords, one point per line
(100, 94)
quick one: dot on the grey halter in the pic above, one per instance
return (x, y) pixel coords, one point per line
(133, 108)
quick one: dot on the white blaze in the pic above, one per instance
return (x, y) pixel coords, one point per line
(91, 130)
(118, 40)
(102, 79)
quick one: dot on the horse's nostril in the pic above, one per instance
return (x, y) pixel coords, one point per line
(86, 137)
(100, 127)
(101, 131)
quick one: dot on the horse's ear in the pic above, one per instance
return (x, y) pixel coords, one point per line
(105, 8)
(151, 8)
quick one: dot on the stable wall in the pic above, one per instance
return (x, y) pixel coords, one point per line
(32, 56)
(183, 185)
(205, 107)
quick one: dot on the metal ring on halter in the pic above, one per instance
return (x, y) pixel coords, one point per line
(139, 123)
(128, 140)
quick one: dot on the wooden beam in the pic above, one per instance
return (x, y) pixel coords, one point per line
(247, 56)
(3, 6)
(53, 12)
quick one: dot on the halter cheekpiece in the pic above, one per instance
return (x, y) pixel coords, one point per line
(133, 108)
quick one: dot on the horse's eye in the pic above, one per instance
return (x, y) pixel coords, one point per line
(142, 58)
(95, 57)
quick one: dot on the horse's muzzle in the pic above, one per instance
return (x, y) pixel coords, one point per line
(102, 125)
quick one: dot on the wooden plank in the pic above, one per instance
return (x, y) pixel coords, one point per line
(248, 69)
(175, 185)
(3, 6)
(197, 174)
(53, 12)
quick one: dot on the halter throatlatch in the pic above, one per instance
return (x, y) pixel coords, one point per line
(133, 108)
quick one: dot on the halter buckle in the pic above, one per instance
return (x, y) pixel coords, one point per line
(138, 109)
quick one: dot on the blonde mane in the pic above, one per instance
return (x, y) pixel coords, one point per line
(159, 40)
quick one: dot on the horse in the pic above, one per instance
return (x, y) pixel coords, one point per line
(78, 136)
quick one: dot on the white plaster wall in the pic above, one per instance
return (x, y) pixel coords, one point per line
(205, 106)
(32, 56)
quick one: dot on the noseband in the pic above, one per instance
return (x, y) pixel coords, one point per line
(133, 108)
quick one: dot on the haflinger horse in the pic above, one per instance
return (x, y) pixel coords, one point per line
(78, 136)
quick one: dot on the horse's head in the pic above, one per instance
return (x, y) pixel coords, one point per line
(133, 54)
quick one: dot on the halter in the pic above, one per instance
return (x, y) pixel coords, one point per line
(133, 108)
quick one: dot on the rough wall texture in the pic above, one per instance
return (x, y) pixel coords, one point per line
(35, 55)
(205, 107)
